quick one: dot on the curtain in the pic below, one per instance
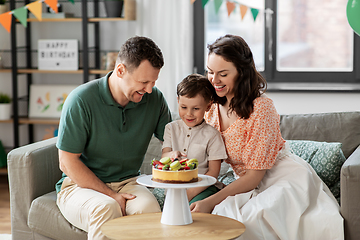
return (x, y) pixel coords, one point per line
(170, 24)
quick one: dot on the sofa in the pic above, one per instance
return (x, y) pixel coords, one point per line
(33, 171)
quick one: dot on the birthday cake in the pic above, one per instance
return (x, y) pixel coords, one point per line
(169, 170)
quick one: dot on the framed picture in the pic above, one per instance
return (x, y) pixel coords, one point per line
(46, 101)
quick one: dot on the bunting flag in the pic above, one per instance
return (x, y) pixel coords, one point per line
(254, 12)
(243, 10)
(203, 2)
(53, 4)
(217, 4)
(21, 15)
(36, 9)
(230, 7)
(5, 20)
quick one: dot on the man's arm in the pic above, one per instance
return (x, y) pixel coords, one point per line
(77, 171)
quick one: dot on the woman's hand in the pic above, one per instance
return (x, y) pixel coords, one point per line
(202, 206)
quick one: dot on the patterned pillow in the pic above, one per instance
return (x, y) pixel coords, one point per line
(325, 158)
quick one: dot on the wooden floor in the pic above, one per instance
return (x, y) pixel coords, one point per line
(5, 222)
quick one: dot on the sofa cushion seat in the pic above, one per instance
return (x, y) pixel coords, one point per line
(45, 218)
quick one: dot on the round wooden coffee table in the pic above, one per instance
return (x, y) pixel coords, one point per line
(148, 226)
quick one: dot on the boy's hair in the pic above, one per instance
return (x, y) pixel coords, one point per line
(137, 49)
(195, 84)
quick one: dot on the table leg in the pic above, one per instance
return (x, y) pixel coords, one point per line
(176, 209)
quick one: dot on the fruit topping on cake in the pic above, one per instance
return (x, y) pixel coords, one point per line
(171, 164)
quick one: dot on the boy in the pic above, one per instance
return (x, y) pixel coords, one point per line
(192, 136)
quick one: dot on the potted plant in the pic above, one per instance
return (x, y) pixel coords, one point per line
(5, 106)
(3, 7)
(113, 8)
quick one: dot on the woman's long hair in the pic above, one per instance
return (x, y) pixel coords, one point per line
(249, 83)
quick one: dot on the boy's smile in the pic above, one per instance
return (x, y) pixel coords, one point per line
(192, 110)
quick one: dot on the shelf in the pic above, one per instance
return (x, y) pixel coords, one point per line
(49, 71)
(129, 14)
(76, 19)
(6, 121)
(80, 71)
(45, 121)
(50, 121)
(82, 18)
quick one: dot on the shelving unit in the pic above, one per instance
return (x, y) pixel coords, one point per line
(129, 14)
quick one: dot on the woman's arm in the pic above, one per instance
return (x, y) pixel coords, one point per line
(244, 184)
(214, 170)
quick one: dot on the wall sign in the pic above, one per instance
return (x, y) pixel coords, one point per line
(58, 54)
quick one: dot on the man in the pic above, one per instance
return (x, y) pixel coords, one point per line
(104, 132)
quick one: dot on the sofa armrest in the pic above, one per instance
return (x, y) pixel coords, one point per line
(350, 195)
(33, 171)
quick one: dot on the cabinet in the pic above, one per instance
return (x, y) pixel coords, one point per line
(129, 13)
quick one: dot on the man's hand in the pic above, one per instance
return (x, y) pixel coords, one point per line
(121, 198)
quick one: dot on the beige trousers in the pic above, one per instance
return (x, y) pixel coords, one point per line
(89, 210)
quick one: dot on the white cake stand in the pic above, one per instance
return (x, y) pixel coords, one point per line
(176, 209)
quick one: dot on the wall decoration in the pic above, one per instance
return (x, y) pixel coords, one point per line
(111, 60)
(21, 13)
(46, 101)
(254, 5)
(58, 54)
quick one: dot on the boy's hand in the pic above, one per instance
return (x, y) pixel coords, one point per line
(177, 154)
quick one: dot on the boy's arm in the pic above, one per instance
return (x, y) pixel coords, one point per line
(214, 170)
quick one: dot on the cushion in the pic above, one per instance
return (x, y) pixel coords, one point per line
(325, 158)
(52, 224)
(340, 127)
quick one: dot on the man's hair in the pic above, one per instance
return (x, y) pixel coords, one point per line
(195, 84)
(137, 49)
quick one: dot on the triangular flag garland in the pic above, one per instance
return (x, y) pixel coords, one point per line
(243, 10)
(254, 12)
(203, 2)
(52, 4)
(34, 7)
(5, 20)
(217, 4)
(231, 5)
(21, 15)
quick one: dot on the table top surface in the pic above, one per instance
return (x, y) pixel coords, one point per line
(148, 226)
(204, 180)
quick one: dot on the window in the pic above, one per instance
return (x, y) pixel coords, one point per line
(302, 42)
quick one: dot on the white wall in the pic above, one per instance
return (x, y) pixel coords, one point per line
(298, 102)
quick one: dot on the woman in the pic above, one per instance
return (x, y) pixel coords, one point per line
(276, 194)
